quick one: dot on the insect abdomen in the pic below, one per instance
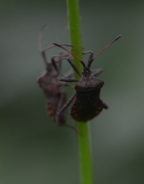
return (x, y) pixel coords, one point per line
(52, 108)
(87, 106)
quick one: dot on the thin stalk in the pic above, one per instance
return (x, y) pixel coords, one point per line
(83, 139)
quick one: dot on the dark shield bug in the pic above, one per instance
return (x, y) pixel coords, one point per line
(87, 103)
(51, 86)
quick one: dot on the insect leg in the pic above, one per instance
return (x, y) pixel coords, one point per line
(60, 111)
(70, 62)
(97, 72)
(68, 74)
(68, 80)
(87, 52)
(60, 57)
(73, 66)
(58, 62)
(90, 57)
(57, 67)
(105, 105)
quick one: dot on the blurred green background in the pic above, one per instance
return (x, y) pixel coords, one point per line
(33, 149)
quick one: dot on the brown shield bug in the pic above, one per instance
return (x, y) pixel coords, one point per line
(87, 103)
(51, 86)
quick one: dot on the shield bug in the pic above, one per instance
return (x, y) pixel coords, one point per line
(87, 103)
(51, 86)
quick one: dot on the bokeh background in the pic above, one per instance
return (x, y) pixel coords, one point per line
(33, 150)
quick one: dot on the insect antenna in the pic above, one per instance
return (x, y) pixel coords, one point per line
(58, 45)
(40, 44)
(90, 61)
(42, 51)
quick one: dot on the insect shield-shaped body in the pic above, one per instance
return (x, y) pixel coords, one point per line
(51, 86)
(87, 103)
(55, 96)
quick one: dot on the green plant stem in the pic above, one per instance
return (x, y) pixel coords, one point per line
(84, 138)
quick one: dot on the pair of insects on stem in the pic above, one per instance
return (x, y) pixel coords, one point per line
(87, 103)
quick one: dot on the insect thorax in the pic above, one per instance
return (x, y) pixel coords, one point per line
(89, 83)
